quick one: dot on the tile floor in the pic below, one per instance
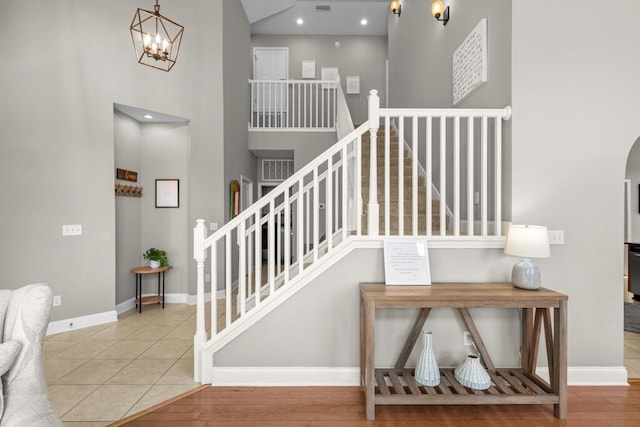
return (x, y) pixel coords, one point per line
(105, 373)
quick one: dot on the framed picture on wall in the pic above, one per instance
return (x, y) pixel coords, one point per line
(329, 75)
(353, 85)
(308, 69)
(167, 193)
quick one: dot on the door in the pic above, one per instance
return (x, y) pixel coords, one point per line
(270, 98)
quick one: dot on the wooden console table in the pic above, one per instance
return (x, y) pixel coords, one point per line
(140, 300)
(397, 386)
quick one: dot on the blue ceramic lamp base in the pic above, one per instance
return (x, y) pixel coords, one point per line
(526, 275)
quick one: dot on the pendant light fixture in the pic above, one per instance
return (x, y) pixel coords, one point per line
(156, 39)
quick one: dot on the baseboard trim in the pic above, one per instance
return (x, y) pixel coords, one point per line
(336, 376)
(284, 376)
(76, 323)
(592, 375)
(169, 299)
(193, 299)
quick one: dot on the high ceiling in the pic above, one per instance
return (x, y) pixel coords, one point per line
(343, 17)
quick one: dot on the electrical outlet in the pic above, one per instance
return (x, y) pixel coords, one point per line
(476, 197)
(72, 230)
(57, 300)
(213, 226)
(207, 277)
(556, 237)
(468, 340)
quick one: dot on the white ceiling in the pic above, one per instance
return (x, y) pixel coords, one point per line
(342, 19)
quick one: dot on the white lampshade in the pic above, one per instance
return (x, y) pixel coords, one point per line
(527, 241)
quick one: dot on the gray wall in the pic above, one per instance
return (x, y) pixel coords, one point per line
(421, 50)
(127, 152)
(57, 132)
(238, 160)
(569, 154)
(165, 154)
(362, 56)
(323, 318)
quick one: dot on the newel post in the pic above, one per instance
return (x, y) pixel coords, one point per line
(200, 337)
(374, 124)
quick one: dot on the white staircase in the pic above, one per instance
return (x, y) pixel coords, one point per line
(353, 191)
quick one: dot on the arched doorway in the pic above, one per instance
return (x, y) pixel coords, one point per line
(631, 280)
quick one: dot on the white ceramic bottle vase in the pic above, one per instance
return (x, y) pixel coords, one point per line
(427, 370)
(472, 374)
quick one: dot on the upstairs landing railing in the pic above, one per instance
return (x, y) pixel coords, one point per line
(293, 104)
(268, 248)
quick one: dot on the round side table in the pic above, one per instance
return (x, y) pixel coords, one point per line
(140, 300)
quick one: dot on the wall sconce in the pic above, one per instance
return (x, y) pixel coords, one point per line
(440, 12)
(396, 7)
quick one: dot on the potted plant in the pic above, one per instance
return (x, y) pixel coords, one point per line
(156, 257)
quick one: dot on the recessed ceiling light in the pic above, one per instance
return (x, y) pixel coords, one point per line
(363, 21)
(300, 21)
(148, 116)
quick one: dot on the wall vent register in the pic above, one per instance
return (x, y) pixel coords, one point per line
(276, 169)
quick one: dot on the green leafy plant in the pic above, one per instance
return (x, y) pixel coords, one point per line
(153, 254)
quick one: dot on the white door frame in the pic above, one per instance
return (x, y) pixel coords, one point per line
(627, 197)
(246, 192)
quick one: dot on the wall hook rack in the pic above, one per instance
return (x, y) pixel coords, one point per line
(128, 190)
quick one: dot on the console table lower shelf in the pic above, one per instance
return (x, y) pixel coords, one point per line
(509, 386)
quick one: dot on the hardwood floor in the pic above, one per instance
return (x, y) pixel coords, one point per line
(344, 407)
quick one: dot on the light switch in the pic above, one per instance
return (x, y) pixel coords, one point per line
(72, 230)
(556, 237)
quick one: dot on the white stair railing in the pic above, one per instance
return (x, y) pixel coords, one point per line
(293, 104)
(461, 153)
(270, 247)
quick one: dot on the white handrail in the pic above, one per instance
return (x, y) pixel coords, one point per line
(344, 126)
(344, 122)
(274, 243)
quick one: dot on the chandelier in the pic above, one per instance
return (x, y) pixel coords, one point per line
(156, 39)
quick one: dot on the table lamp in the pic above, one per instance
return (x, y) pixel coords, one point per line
(527, 241)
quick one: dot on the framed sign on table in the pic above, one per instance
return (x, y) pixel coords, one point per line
(406, 262)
